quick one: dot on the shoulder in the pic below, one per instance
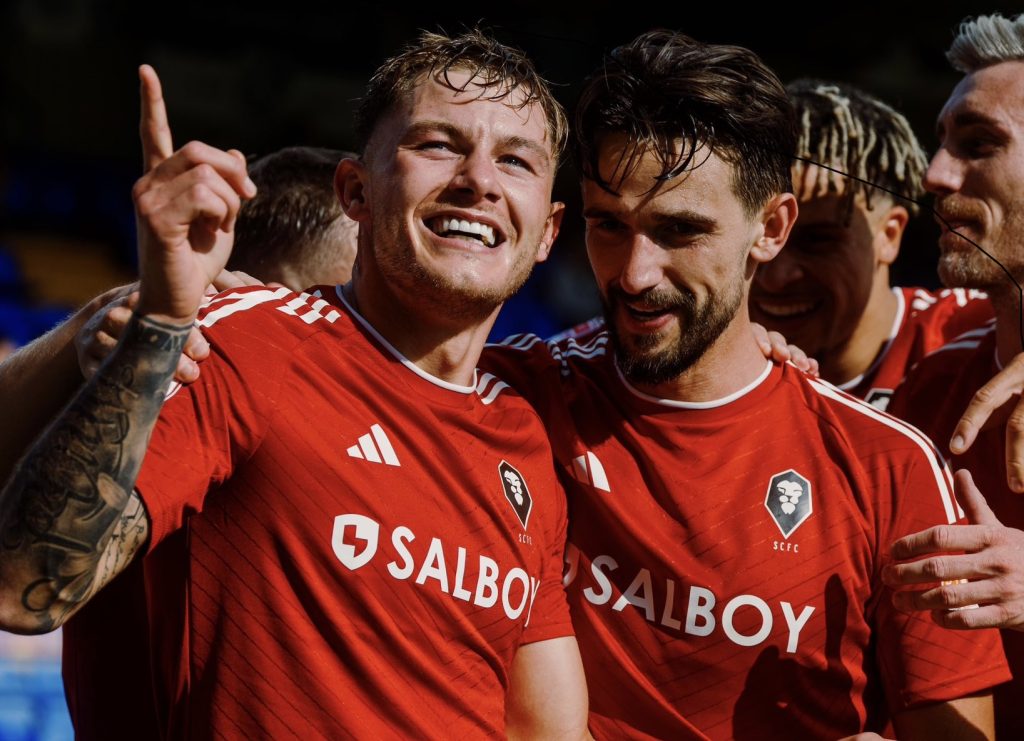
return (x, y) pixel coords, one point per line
(921, 299)
(864, 431)
(275, 316)
(947, 313)
(524, 355)
(962, 356)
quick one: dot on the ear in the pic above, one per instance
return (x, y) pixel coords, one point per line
(351, 187)
(890, 233)
(551, 228)
(777, 219)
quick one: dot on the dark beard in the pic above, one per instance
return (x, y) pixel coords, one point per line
(701, 326)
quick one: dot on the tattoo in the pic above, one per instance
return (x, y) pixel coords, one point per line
(69, 518)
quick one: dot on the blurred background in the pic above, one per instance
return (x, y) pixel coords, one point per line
(259, 76)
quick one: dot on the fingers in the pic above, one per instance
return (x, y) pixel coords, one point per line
(761, 338)
(985, 616)
(970, 497)
(154, 129)
(196, 346)
(100, 335)
(799, 358)
(943, 539)
(1015, 448)
(234, 279)
(230, 167)
(187, 370)
(987, 400)
(189, 210)
(952, 595)
(196, 350)
(936, 569)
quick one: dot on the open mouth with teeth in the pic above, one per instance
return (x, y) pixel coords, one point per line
(474, 231)
(786, 310)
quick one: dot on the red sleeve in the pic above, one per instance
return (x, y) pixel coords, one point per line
(206, 429)
(550, 615)
(527, 365)
(922, 662)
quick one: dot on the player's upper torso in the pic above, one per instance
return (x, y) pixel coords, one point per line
(366, 544)
(925, 320)
(724, 559)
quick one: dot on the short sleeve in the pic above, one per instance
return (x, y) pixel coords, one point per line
(550, 615)
(923, 662)
(208, 428)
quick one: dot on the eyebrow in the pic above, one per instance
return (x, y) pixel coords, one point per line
(419, 128)
(968, 118)
(701, 221)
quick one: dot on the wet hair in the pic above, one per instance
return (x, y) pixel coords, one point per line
(664, 87)
(844, 128)
(295, 223)
(986, 40)
(496, 72)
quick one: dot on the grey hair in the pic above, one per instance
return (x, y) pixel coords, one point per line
(986, 40)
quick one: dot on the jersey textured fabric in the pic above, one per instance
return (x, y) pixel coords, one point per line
(105, 663)
(933, 397)
(367, 546)
(724, 558)
(925, 320)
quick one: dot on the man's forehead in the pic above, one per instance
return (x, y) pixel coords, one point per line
(990, 95)
(632, 166)
(462, 95)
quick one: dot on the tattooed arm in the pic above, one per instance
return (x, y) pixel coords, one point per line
(69, 519)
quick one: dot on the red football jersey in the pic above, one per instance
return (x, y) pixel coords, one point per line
(367, 546)
(925, 320)
(724, 558)
(933, 397)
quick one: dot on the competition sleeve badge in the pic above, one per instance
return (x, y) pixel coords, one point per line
(788, 500)
(516, 491)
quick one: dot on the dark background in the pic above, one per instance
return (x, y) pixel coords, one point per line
(259, 76)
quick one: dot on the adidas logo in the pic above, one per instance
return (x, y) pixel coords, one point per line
(588, 470)
(375, 447)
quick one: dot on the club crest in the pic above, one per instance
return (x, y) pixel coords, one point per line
(788, 500)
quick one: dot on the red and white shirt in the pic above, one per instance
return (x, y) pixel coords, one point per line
(933, 397)
(723, 569)
(925, 320)
(366, 546)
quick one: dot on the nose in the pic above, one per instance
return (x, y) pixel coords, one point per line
(944, 174)
(642, 269)
(477, 176)
(774, 276)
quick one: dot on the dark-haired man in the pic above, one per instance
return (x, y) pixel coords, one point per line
(729, 516)
(294, 232)
(829, 291)
(374, 533)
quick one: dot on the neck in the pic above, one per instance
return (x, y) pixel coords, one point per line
(874, 329)
(445, 347)
(733, 361)
(1008, 325)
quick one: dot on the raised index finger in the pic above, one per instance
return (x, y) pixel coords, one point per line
(154, 130)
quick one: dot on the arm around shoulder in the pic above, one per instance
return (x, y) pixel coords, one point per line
(547, 695)
(69, 518)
